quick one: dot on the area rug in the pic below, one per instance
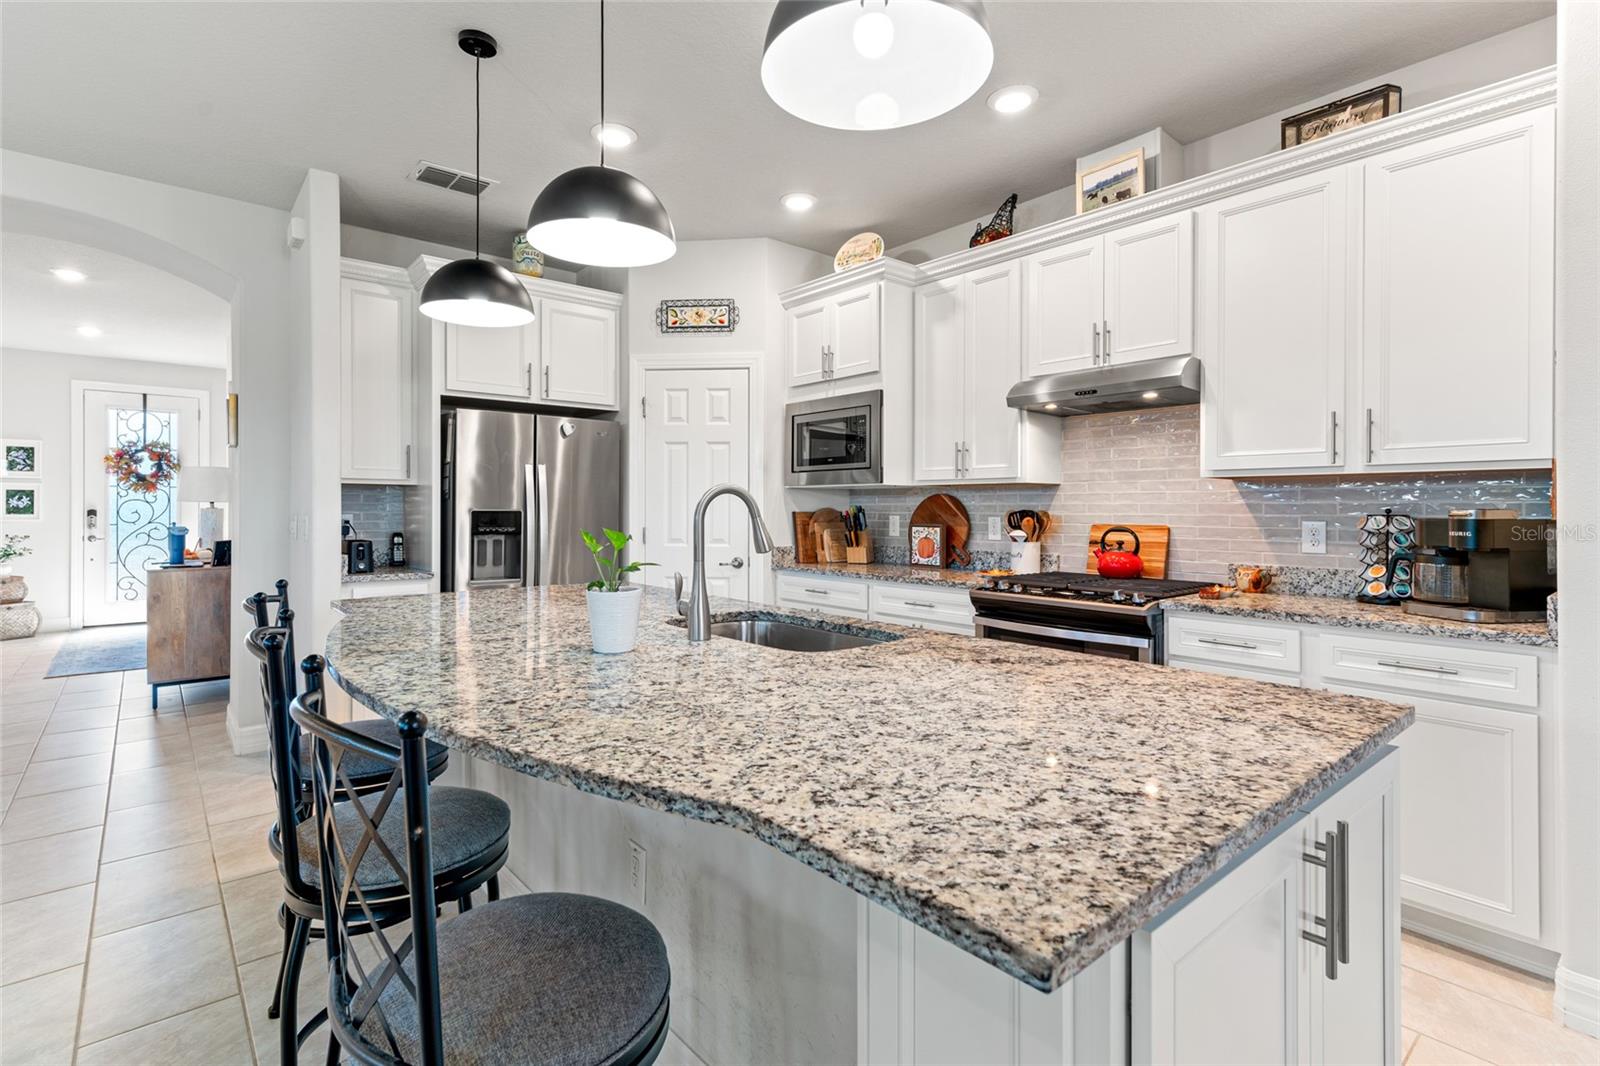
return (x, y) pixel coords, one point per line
(100, 650)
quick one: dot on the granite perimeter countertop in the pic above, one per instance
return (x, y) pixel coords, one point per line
(1348, 613)
(905, 573)
(1034, 807)
(386, 573)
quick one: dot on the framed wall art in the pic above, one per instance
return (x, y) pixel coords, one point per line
(21, 503)
(697, 316)
(928, 544)
(1358, 109)
(1111, 182)
(21, 459)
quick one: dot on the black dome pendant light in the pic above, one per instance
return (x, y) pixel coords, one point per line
(600, 216)
(476, 292)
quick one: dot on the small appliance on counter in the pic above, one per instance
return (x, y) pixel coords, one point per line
(1483, 565)
(1388, 557)
(360, 552)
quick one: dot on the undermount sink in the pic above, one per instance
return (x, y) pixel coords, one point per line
(791, 636)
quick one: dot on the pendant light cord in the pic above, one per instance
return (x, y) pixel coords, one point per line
(477, 155)
(602, 82)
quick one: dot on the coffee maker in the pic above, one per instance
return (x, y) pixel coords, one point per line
(1484, 565)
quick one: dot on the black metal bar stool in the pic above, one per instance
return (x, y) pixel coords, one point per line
(470, 847)
(546, 978)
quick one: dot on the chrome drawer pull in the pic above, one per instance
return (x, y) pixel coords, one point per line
(1246, 645)
(817, 592)
(1419, 667)
(914, 603)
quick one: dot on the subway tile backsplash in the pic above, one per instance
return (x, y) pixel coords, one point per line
(1144, 466)
(376, 511)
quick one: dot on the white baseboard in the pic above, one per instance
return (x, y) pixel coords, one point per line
(248, 739)
(1578, 1001)
(1530, 958)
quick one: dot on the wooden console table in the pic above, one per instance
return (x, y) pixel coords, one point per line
(188, 617)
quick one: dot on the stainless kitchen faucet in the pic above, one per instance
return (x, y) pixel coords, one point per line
(699, 609)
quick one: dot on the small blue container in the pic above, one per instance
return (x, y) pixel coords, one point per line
(177, 536)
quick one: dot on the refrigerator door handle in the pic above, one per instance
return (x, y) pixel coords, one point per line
(538, 489)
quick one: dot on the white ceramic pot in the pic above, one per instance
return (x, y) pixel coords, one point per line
(614, 619)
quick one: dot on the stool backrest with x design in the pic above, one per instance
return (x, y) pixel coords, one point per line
(270, 644)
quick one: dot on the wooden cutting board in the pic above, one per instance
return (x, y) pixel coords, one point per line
(1152, 545)
(949, 512)
(824, 522)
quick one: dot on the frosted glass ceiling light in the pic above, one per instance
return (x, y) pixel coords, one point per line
(875, 64)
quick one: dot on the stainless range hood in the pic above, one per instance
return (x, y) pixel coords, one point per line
(1129, 387)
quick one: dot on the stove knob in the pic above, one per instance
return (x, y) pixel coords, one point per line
(1138, 599)
(1117, 596)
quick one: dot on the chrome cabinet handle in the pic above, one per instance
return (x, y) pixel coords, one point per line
(817, 592)
(1095, 357)
(1329, 857)
(924, 606)
(529, 374)
(1419, 667)
(408, 460)
(1333, 437)
(1369, 434)
(1342, 852)
(547, 383)
(958, 458)
(1245, 644)
(1107, 357)
(737, 563)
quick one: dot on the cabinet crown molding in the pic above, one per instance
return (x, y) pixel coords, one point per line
(832, 284)
(423, 267)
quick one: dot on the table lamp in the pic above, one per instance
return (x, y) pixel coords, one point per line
(207, 485)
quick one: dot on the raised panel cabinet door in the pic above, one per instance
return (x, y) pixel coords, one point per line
(808, 335)
(578, 348)
(1469, 827)
(856, 347)
(939, 388)
(1150, 290)
(1063, 308)
(1273, 307)
(376, 390)
(1458, 304)
(1218, 980)
(491, 361)
(993, 435)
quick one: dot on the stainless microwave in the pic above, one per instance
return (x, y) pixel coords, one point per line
(835, 441)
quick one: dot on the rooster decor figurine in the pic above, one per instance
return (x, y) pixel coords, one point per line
(999, 226)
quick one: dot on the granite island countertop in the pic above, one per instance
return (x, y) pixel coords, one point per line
(1032, 806)
(1350, 613)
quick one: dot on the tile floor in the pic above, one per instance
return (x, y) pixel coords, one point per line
(138, 899)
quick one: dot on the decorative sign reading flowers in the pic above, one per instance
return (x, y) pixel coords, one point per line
(143, 467)
(697, 316)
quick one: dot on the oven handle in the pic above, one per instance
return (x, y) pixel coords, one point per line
(1089, 635)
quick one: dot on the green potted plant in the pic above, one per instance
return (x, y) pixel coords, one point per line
(613, 603)
(12, 589)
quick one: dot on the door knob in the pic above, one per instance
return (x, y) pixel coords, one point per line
(737, 563)
(91, 536)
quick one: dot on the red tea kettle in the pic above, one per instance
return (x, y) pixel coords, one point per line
(1114, 562)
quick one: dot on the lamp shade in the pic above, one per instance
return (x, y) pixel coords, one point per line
(203, 484)
(871, 64)
(476, 292)
(601, 217)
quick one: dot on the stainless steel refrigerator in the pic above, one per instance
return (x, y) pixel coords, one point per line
(517, 488)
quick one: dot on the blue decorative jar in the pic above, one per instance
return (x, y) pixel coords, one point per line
(177, 536)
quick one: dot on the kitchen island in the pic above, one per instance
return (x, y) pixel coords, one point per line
(1040, 811)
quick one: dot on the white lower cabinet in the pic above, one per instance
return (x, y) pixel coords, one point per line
(814, 592)
(948, 610)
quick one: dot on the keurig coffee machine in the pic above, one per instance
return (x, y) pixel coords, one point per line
(1484, 566)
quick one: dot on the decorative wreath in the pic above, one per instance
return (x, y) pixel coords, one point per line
(143, 467)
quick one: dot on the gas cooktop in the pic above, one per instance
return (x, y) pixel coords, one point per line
(1068, 589)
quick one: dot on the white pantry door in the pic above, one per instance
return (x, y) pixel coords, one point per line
(124, 532)
(696, 430)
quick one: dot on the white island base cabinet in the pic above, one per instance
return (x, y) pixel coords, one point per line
(1291, 953)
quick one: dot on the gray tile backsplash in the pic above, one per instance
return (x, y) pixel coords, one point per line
(1144, 466)
(376, 511)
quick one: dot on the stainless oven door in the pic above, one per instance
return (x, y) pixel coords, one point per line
(1135, 647)
(837, 440)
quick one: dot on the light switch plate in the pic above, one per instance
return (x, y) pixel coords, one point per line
(894, 525)
(995, 531)
(1314, 538)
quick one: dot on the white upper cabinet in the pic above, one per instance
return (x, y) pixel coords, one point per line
(994, 363)
(939, 339)
(1149, 290)
(838, 336)
(1064, 300)
(491, 361)
(376, 380)
(578, 354)
(1273, 309)
(1458, 303)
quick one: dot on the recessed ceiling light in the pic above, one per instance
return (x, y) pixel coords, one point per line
(1152, 396)
(613, 134)
(69, 275)
(89, 331)
(799, 201)
(1013, 98)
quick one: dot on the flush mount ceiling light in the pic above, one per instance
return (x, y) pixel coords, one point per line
(799, 201)
(476, 292)
(69, 275)
(598, 215)
(1013, 98)
(613, 134)
(87, 330)
(888, 63)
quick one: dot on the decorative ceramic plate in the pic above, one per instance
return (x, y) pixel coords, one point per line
(858, 250)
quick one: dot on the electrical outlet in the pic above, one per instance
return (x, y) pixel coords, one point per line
(637, 870)
(995, 531)
(894, 525)
(1314, 538)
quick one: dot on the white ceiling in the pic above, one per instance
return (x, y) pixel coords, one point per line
(240, 98)
(144, 313)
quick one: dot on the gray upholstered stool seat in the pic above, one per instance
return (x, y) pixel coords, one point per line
(468, 828)
(360, 768)
(551, 978)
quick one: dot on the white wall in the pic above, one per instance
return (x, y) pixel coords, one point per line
(36, 403)
(375, 246)
(237, 251)
(1529, 47)
(1578, 460)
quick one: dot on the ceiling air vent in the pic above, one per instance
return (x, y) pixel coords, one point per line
(448, 178)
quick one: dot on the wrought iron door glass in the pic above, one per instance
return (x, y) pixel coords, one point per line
(137, 530)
